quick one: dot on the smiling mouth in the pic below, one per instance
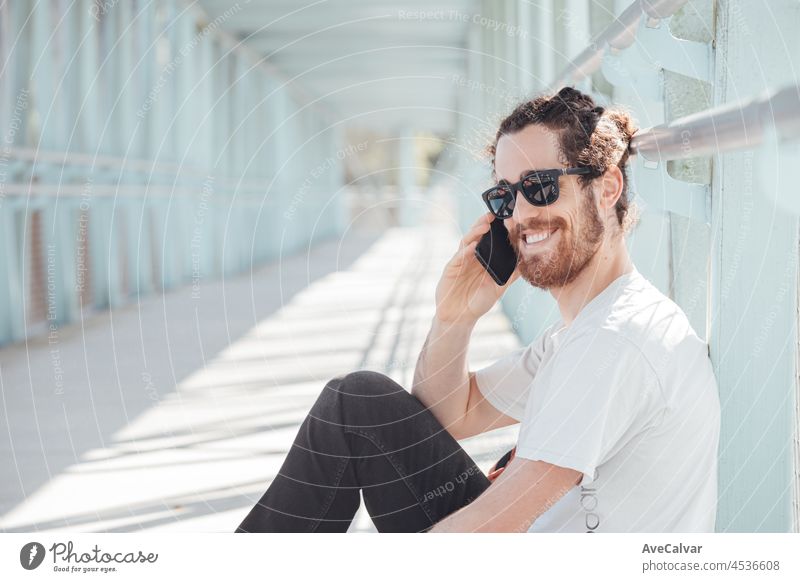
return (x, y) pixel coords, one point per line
(537, 238)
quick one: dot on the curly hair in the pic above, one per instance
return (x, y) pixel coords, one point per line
(588, 135)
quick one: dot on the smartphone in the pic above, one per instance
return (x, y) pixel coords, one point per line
(503, 461)
(500, 465)
(495, 253)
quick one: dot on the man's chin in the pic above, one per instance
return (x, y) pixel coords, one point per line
(547, 276)
(536, 276)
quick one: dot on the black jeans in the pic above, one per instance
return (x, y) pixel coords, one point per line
(366, 433)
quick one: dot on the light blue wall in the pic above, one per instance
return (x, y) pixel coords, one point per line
(754, 282)
(163, 144)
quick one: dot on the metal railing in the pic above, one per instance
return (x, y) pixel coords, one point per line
(725, 128)
(180, 178)
(618, 35)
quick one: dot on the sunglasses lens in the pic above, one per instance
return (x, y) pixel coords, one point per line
(501, 202)
(539, 190)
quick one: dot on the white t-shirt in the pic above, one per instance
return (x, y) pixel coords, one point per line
(626, 395)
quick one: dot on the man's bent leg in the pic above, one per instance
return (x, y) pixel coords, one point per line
(366, 432)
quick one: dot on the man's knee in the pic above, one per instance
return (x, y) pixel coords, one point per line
(366, 383)
(365, 393)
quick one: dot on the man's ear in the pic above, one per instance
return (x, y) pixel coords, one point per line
(611, 184)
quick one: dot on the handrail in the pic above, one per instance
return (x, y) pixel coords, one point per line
(33, 155)
(729, 127)
(619, 35)
(110, 162)
(725, 128)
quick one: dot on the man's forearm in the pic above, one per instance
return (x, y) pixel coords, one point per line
(523, 492)
(441, 378)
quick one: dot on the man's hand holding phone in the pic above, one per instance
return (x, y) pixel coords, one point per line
(466, 291)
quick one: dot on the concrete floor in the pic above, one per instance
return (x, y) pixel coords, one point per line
(174, 413)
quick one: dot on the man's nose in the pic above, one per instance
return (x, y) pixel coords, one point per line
(524, 210)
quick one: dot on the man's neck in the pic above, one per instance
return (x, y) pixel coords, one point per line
(609, 263)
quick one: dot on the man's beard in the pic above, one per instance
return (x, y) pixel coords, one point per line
(574, 250)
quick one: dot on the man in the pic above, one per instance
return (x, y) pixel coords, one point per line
(617, 402)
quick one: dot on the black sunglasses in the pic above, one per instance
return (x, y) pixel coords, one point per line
(540, 188)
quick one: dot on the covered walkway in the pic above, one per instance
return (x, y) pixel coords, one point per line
(209, 208)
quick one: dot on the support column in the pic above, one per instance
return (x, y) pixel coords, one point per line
(544, 43)
(575, 21)
(406, 179)
(754, 286)
(525, 47)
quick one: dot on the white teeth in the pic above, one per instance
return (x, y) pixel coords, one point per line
(534, 238)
